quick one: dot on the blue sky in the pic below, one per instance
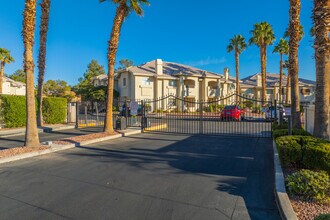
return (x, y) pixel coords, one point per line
(191, 32)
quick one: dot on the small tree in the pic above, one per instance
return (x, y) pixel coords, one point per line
(5, 58)
(18, 76)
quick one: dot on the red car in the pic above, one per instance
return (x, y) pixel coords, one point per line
(232, 112)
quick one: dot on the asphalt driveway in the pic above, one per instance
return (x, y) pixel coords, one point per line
(146, 176)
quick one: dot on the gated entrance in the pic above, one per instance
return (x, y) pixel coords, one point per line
(235, 115)
(92, 114)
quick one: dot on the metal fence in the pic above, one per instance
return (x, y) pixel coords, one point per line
(234, 115)
(92, 114)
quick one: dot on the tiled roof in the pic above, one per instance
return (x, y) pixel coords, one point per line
(171, 69)
(273, 79)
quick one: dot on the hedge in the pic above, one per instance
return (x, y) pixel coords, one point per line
(304, 151)
(54, 110)
(13, 110)
(284, 132)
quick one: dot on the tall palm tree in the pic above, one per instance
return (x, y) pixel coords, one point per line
(283, 49)
(45, 7)
(29, 14)
(288, 82)
(237, 44)
(321, 17)
(124, 7)
(5, 58)
(262, 36)
(295, 37)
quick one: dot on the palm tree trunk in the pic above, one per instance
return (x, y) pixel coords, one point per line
(322, 57)
(31, 137)
(288, 82)
(281, 77)
(237, 74)
(121, 13)
(263, 51)
(293, 60)
(2, 73)
(45, 7)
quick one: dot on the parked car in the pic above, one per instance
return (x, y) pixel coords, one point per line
(232, 112)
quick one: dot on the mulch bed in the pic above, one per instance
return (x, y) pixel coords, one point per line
(20, 150)
(305, 210)
(82, 138)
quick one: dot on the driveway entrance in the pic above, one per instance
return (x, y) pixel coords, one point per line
(235, 115)
(148, 176)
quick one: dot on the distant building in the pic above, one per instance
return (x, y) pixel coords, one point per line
(252, 87)
(159, 79)
(11, 87)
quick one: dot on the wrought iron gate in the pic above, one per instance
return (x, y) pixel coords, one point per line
(235, 115)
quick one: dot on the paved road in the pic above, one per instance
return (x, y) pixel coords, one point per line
(18, 141)
(145, 177)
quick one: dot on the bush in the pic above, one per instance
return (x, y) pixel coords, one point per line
(284, 132)
(14, 111)
(317, 156)
(304, 151)
(323, 217)
(277, 126)
(289, 150)
(309, 185)
(54, 110)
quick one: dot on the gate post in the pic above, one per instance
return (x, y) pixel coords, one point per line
(275, 116)
(77, 115)
(201, 117)
(143, 116)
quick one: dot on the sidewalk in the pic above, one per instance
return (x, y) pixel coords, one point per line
(21, 131)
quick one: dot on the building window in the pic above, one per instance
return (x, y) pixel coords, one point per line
(269, 91)
(248, 91)
(124, 81)
(145, 82)
(172, 83)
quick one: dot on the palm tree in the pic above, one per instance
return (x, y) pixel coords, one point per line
(321, 17)
(123, 9)
(295, 37)
(283, 49)
(45, 7)
(237, 44)
(5, 58)
(29, 14)
(262, 36)
(288, 82)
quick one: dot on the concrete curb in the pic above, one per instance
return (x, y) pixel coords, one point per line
(56, 147)
(60, 128)
(281, 197)
(13, 133)
(21, 131)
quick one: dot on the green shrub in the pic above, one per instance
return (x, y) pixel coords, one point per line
(317, 156)
(290, 151)
(277, 126)
(284, 132)
(54, 110)
(14, 111)
(309, 185)
(323, 217)
(304, 151)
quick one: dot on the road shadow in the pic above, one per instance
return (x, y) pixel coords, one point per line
(247, 162)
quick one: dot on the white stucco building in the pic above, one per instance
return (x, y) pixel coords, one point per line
(157, 79)
(11, 87)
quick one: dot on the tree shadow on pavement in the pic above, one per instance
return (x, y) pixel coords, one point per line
(242, 166)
